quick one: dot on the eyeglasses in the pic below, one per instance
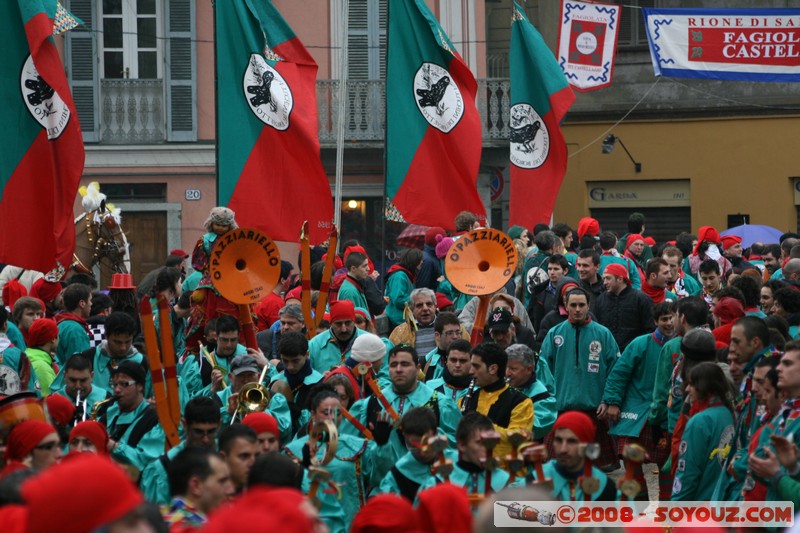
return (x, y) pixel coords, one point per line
(48, 446)
(122, 384)
(200, 433)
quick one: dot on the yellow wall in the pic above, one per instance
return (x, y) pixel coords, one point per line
(739, 165)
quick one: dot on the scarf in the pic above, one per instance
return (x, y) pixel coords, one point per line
(296, 380)
(68, 315)
(654, 293)
(455, 382)
(701, 405)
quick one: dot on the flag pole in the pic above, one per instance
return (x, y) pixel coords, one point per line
(216, 106)
(341, 110)
(385, 201)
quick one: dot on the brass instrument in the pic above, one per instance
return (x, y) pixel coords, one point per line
(213, 361)
(326, 432)
(252, 397)
(80, 408)
(99, 408)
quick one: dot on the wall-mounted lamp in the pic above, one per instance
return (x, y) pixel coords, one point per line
(352, 204)
(608, 146)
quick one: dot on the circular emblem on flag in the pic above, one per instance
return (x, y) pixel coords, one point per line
(530, 140)
(586, 43)
(558, 340)
(437, 97)
(9, 381)
(267, 93)
(43, 102)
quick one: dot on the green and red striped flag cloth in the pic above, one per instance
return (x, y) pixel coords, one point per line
(270, 171)
(433, 130)
(41, 147)
(540, 97)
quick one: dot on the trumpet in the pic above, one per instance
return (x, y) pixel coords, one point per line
(252, 398)
(80, 408)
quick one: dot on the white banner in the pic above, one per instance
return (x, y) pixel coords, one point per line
(726, 44)
(587, 43)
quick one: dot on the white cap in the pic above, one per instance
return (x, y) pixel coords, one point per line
(368, 348)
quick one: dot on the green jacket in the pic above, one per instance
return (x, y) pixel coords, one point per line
(10, 357)
(567, 489)
(474, 480)
(666, 406)
(190, 373)
(703, 450)
(102, 364)
(325, 351)
(353, 468)
(581, 358)
(633, 272)
(154, 483)
(417, 473)
(72, 338)
(544, 406)
(449, 415)
(398, 289)
(42, 364)
(120, 428)
(353, 292)
(15, 336)
(630, 384)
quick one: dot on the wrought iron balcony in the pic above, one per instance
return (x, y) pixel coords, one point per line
(132, 111)
(366, 109)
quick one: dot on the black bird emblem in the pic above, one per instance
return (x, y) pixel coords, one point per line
(262, 94)
(525, 135)
(434, 95)
(41, 91)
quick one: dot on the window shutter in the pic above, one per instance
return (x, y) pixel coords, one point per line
(358, 41)
(81, 59)
(179, 71)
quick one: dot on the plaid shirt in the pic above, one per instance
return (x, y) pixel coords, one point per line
(181, 513)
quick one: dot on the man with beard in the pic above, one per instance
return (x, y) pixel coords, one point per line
(629, 391)
(581, 354)
(405, 393)
(572, 432)
(331, 347)
(455, 378)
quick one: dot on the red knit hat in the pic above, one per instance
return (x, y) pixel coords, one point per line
(94, 431)
(360, 249)
(615, 269)
(45, 290)
(25, 437)
(706, 234)
(294, 294)
(431, 233)
(177, 252)
(633, 237)
(343, 310)
(727, 242)
(588, 226)
(387, 513)
(106, 494)
(442, 301)
(42, 331)
(728, 309)
(61, 410)
(13, 290)
(270, 509)
(262, 423)
(444, 508)
(579, 423)
(649, 241)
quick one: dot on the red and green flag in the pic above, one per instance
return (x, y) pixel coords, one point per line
(270, 171)
(433, 130)
(540, 97)
(41, 148)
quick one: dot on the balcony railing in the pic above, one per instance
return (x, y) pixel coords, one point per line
(366, 108)
(132, 112)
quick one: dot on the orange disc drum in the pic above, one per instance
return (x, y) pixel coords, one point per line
(481, 261)
(245, 265)
(19, 407)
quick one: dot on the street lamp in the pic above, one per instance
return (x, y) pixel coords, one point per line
(608, 145)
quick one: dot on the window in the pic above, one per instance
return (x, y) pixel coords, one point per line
(130, 42)
(366, 42)
(632, 32)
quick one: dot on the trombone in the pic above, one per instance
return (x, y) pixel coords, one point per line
(252, 397)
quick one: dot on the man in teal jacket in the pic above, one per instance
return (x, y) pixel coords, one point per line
(331, 347)
(357, 265)
(629, 391)
(134, 435)
(73, 331)
(572, 432)
(581, 354)
(201, 422)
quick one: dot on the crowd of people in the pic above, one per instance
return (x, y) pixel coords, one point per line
(407, 409)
